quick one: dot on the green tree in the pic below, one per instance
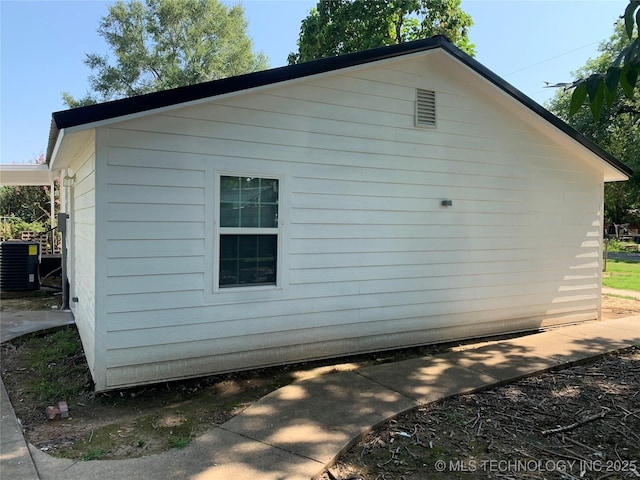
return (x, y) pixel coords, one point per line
(616, 129)
(621, 70)
(25, 208)
(28, 203)
(161, 44)
(343, 26)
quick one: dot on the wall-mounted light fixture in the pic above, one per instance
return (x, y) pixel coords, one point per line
(446, 203)
(68, 181)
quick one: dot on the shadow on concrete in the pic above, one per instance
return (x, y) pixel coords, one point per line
(299, 430)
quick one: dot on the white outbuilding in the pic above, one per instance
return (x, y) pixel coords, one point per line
(399, 196)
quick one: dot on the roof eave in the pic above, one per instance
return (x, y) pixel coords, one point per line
(87, 115)
(152, 101)
(538, 109)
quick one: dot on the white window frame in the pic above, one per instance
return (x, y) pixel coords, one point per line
(218, 231)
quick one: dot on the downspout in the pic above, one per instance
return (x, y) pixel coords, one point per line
(62, 228)
(52, 213)
(55, 139)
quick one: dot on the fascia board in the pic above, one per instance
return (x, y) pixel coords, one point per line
(223, 96)
(509, 98)
(53, 163)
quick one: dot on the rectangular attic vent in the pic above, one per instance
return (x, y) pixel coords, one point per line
(425, 108)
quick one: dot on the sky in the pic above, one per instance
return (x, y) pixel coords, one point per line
(43, 44)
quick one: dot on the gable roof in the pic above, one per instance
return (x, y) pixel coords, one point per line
(84, 116)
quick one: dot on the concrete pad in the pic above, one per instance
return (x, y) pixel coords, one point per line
(16, 324)
(559, 349)
(502, 361)
(631, 323)
(217, 455)
(15, 460)
(427, 379)
(506, 362)
(603, 337)
(317, 418)
(522, 356)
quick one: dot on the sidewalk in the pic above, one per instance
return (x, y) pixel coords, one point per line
(294, 432)
(15, 324)
(15, 459)
(621, 293)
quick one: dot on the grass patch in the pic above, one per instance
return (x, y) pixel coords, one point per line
(93, 455)
(42, 369)
(622, 275)
(179, 442)
(618, 246)
(56, 362)
(624, 297)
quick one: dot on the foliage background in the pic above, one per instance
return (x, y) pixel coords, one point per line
(616, 130)
(161, 44)
(344, 26)
(27, 208)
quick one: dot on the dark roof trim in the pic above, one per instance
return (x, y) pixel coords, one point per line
(176, 96)
(536, 107)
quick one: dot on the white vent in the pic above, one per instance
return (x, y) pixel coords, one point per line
(425, 108)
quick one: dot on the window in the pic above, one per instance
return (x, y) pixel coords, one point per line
(248, 231)
(425, 108)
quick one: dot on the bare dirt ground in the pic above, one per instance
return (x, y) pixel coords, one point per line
(147, 420)
(38, 300)
(617, 307)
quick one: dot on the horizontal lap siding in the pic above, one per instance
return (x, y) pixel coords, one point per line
(155, 228)
(83, 246)
(374, 260)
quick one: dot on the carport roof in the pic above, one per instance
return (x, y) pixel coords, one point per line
(25, 175)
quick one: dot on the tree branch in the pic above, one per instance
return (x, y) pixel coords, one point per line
(566, 428)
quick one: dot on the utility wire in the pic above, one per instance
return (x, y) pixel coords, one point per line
(549, 59)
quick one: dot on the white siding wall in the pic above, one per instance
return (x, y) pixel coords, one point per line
(81, 244)
(372, 259)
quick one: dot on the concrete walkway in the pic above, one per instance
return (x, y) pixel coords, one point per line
(15, 459)
(16, 324)
(294, 432)
(621, 293)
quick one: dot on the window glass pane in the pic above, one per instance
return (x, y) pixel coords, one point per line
(269, 203)
(268, 216)
(269, 191)
(267, 247)
(229, 215)
(228, 260)
(248, 271)
(229, 201)
(243, 199)
(248, 260)
(249, 215)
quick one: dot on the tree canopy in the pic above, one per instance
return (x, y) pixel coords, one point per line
(621, 70)
(161, 44)
(26, 207)
(616, 129)
(344, 26)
